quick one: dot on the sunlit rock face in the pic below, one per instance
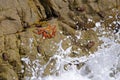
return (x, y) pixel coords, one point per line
(85, 45)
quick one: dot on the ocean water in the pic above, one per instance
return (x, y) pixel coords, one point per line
(104, 64)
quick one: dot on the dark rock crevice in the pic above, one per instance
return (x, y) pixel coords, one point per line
(49, 10)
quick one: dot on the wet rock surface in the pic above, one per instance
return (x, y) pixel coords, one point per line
(19, 19)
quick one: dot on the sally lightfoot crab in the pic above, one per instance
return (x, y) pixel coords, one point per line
(46, 32)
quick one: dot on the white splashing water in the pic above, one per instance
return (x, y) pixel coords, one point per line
(102, 65)
(99, 66)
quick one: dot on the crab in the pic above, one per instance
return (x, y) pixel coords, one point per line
(47, 32)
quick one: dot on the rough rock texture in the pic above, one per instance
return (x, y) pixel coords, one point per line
(19, 18)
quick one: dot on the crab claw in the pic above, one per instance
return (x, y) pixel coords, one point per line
(54, 30)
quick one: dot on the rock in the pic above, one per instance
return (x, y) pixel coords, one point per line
(11, 22)
(14, 14)
(27, 44)
(14, 57)
(28, 9)
(7, 73)
(11, 42)
(106, 5)
(67, 30)
(94, 6)
(49, 67)
(2, 44)
(83, 43)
